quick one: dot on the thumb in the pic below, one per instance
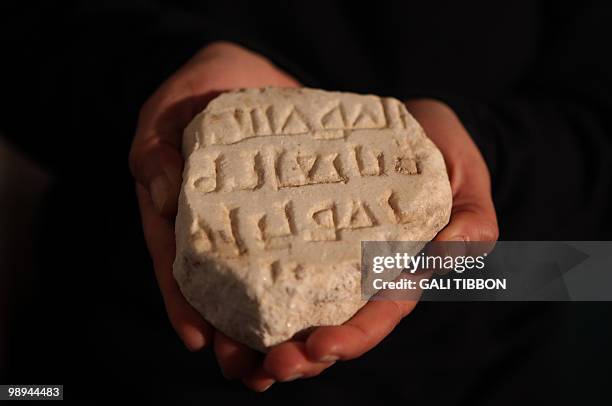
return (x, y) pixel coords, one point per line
(157, 166)
(155, 158)
(473, 227)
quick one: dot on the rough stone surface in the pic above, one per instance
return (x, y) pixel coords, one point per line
(279, 188)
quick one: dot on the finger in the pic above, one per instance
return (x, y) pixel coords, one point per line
(473, 219)
(473, 226)
(159, 236)
(157, 166)
(155, 159)
(289, 361)
(473, 216)
(235, 360)
(259, 381)
(472, 229)
(362, 332)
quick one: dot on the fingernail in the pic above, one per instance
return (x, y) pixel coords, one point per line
(293, 377)
(194, 340)
(267, 387)
(458, 246)
(329, 358)
(193, 346)
(159, 189)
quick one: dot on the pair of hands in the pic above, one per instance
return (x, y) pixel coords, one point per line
(156, 163)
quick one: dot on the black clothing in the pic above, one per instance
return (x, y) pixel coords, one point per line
(530, 80)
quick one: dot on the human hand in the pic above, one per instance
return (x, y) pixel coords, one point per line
(156, 163)
(472, 219)
(473, 215)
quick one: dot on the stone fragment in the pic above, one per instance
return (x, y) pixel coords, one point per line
(280, 186)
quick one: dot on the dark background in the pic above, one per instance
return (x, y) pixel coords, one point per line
(531, 81)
